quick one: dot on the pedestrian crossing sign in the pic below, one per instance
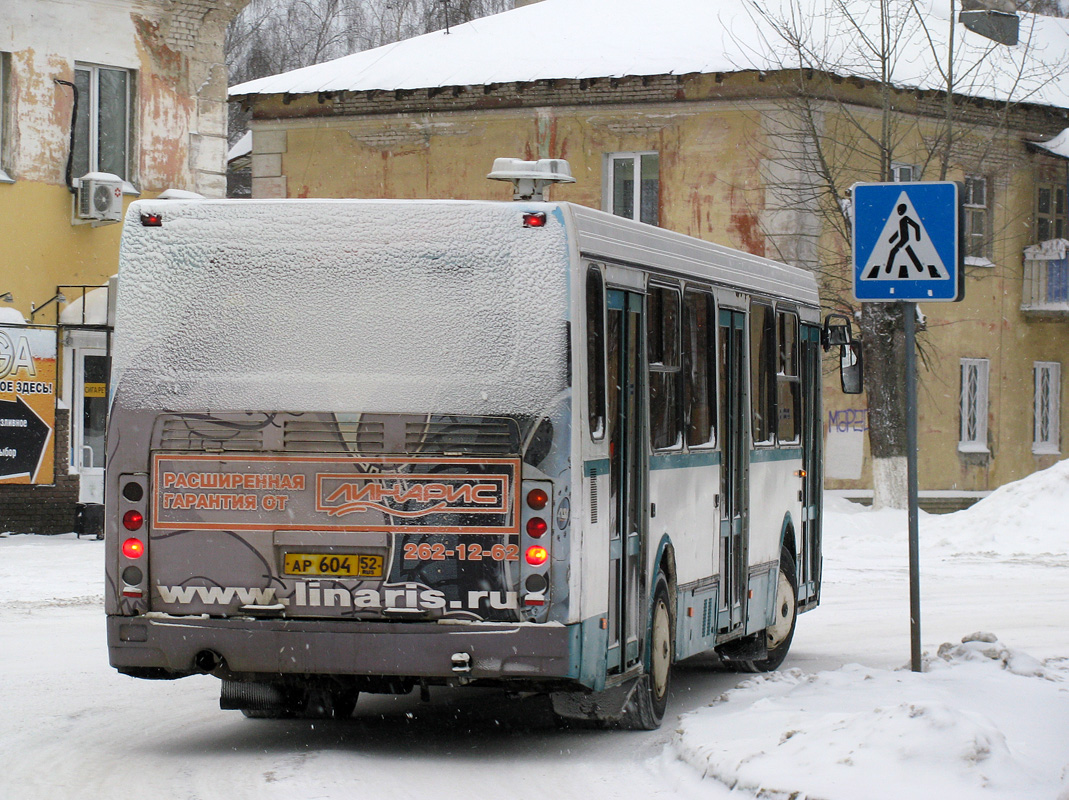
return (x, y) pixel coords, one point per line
(907, 242)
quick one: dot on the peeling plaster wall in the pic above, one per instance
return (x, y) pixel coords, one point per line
(174, 48)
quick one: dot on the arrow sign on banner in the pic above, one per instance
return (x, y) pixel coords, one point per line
(23, 437)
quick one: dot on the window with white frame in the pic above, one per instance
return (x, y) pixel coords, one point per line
(633, 186)
(102, 127)
(5, 116)
(1048, 383)
(976, 205)
(904, 173)
(974, 383)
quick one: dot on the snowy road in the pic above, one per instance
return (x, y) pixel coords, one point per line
(70, 727)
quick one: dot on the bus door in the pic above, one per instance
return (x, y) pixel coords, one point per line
(627, 475)
(812, 460)
(734, 480)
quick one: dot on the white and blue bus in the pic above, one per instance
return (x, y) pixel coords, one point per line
(369, 446)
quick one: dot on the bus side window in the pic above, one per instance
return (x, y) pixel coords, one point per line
(595, 344)
(699, 358)
(788, 381)
(662, 344)
(763, 372)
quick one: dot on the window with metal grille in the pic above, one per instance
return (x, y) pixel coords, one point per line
(974, 383)
(1048, 383)
(633, 186)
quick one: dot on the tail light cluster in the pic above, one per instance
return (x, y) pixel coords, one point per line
(133, 531)
(535, 542)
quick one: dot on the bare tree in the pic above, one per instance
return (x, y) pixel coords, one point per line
(273, 36)
(833, 130)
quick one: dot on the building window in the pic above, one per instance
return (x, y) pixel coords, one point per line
(976, 205)
(663, 354)
(634, 186)
(904, 173)
(5, 116)
(974, 377)
(1050, 211)
(102, 127)
(1048, 382)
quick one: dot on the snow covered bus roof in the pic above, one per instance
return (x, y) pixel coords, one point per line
(577, 39)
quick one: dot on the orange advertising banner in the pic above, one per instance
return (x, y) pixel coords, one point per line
(27, 405)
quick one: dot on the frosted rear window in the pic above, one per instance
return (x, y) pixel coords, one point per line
(341, 306)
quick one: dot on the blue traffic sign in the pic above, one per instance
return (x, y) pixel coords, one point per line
(907, 242)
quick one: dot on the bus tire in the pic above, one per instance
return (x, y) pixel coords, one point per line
(645, 709)
(780, 633)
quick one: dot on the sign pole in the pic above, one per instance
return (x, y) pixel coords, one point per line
(909, 311)
(907, 249)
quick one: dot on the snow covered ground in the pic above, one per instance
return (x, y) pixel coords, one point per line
(843, 720)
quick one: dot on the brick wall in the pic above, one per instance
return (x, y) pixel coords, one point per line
(43, 509)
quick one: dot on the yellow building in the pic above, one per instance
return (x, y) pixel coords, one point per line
(101, 101)
(686, 114)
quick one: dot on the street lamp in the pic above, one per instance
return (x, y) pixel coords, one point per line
(993, 19)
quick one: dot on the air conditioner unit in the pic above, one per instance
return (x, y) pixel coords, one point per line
(100, 197)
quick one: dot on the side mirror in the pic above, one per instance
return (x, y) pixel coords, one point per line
(851, 369)
(837, 332)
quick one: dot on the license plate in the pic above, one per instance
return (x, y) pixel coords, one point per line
(340, 566)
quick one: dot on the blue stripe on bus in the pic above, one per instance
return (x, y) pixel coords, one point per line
(709, 458)
(596, 467)
(702, 458)
(774, 454)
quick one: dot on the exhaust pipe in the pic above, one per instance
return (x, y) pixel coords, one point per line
(207, 661)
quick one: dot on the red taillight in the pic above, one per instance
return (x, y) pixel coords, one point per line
(534, 219)
(537, 555)
(536, 528)
(152, 220)
(537, 499)
(133, 520)
(133, 548)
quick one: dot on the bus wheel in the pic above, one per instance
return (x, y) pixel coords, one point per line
(344, 702)
(645, 709)
(781, 632)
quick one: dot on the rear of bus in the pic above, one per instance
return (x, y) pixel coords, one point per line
(338, 448)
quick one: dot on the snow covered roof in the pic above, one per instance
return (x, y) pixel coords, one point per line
(576, 39)
(1058, 146)
(242, 147)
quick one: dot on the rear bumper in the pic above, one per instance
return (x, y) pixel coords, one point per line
(327, 647)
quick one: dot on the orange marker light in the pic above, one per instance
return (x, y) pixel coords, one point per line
(537, 555)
